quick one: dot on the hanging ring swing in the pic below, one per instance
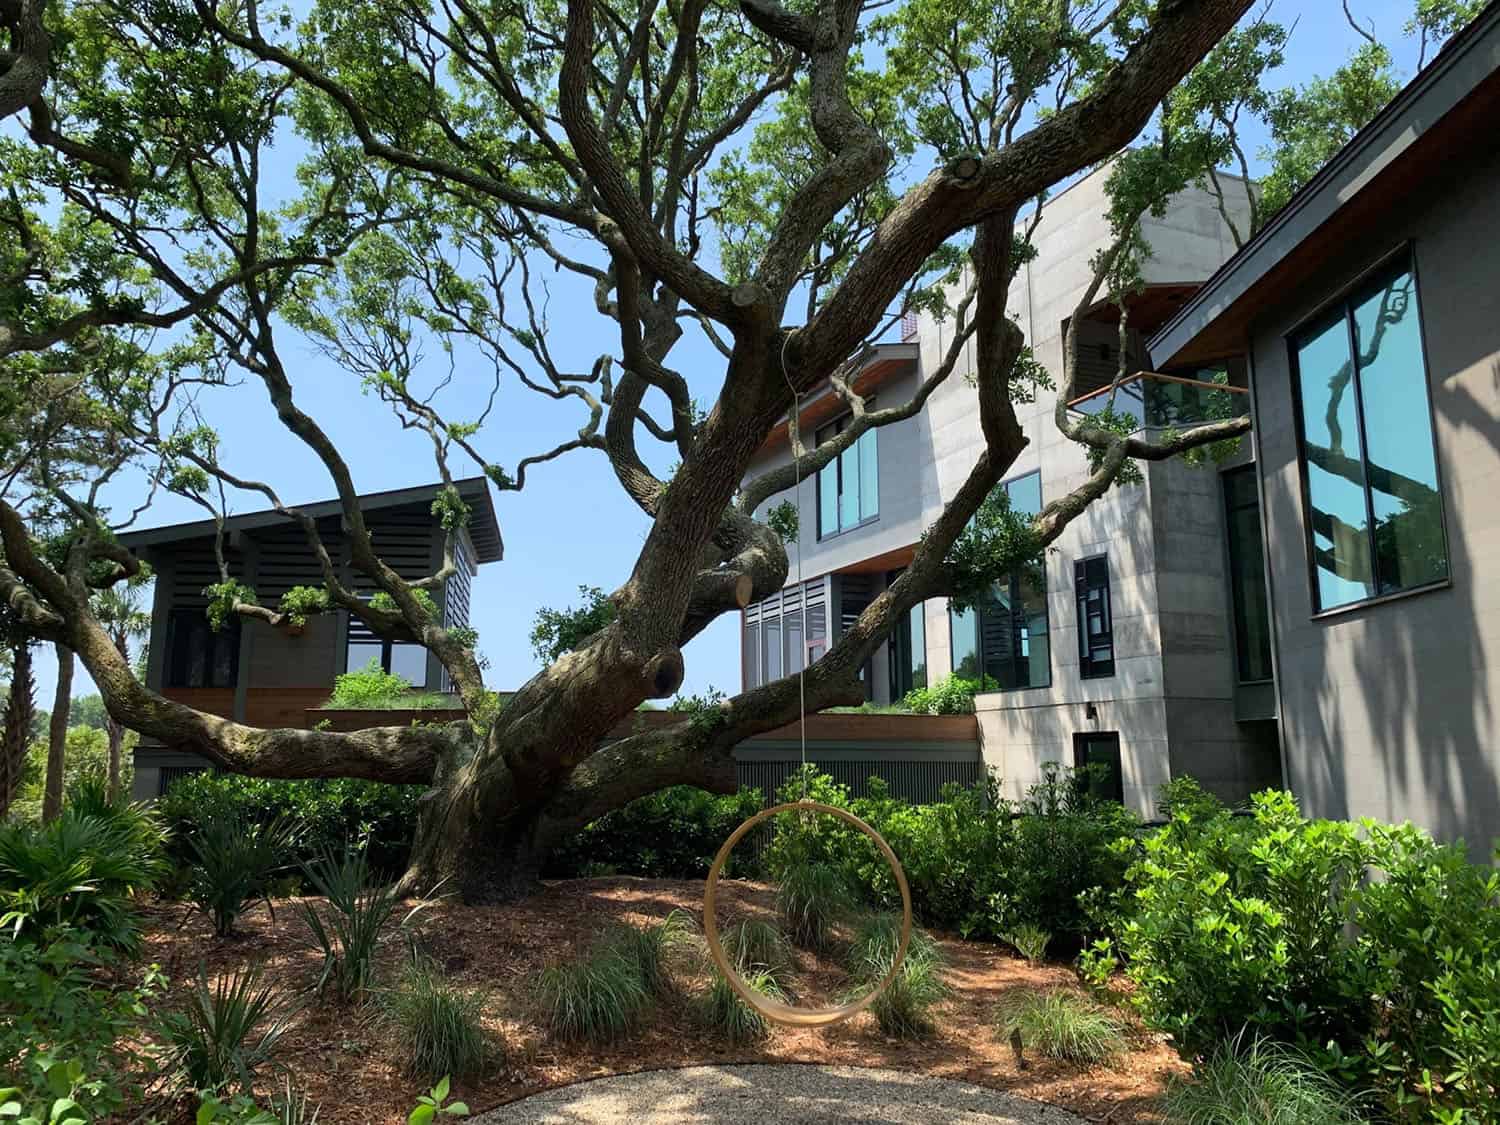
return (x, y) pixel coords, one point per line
(776, 1010)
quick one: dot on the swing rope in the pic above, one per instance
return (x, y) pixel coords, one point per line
(795, 430)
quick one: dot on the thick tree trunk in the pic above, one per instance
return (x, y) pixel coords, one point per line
(57, 743)
(116, 740)
(15, 734)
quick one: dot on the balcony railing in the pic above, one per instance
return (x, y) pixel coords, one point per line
(1156, 401)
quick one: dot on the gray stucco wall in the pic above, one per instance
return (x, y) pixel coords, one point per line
(1392, 710)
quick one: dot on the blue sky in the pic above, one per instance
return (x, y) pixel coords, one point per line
(571, 525)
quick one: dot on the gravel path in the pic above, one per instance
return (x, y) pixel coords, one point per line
(774, 1094)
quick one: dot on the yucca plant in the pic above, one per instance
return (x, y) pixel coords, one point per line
(726, 1013)
(811, 899)
(901, 1011)
(1062, 1025)
(754, 945)
(357, 913)
(81, 870)
(228, 1032)
(439, 1022)
(1029, 941)
(1259, 1083)
(600, 997)
(234, 861)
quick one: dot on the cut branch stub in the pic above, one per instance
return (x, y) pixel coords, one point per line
(965, 169)
(663, 673)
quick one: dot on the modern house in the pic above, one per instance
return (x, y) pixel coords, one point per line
(270, 677)
(1368, 312)
(1138, 643)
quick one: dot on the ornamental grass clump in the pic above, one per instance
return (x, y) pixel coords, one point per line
(902, 1011)
(753, 945)
(1259, 1083)
(599, 998)
(439, 1023)
(649, 948)
(811, 900)
(725, 1012)
(1061, 1025)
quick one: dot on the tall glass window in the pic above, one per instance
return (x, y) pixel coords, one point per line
(1374, 511)
(908, 649)
(1007, 637)
(1096, 631)
(1247, 576)
(849, 485)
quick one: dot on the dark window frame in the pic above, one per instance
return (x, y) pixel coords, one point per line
(1019, 622)
(228, 636)
(838, 425)
(1402, 258)
(1082, 740)
(387, 650)
(1088, 667)
(1235, 573)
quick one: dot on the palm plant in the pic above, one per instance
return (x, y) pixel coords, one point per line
(357, 912)
(233, 861)
(227, 1032)
(80, 870)
(121, 610)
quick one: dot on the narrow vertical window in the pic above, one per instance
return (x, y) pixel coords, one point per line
(1247, 576)
(752, 656)
(1096, 638)
(1010, 636)
(1374, 512)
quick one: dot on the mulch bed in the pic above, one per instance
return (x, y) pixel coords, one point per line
(349, 1060)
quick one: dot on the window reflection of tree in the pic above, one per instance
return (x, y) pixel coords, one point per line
(1394, 303)
(1412, 536)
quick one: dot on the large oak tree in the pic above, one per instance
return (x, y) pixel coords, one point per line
(742, 171)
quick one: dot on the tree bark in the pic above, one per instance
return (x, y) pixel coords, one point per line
(15, 736)
(57, 742)
(116, 735)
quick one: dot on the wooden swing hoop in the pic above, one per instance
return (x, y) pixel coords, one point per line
(776, 1010)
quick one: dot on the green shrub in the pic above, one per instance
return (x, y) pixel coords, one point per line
(228, 1031)
(54, 1013)
(371, 688)
(1061, 1025)
(1262, 1084)
(358, 910)
(952, 695)
(233, 864)
(726, 1013)
(81, 870)
(331, 815)
(1370, 949)
(671, 834)
(811, 899)
(1240, 922)
(600, 997)
(901, 1011)
(439, 1022)
(974, 861)
(1432, 924)
(753, 945)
